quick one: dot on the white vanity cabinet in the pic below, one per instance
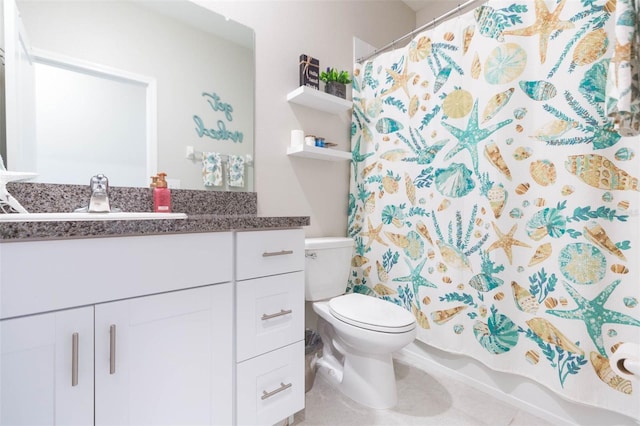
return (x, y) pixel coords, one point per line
(159, 309)
(270, 325)
(139, 330)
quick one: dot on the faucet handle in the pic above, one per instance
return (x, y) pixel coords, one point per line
(99, 200)
(99, 182)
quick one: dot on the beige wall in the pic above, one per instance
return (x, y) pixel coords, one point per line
(323, 29)
(437, 9)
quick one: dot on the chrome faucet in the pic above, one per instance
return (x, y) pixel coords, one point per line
(99, 201)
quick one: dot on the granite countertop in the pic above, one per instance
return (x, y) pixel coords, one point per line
(207, 211)
(56, 230)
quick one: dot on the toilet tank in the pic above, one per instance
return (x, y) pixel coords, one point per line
(327, 266)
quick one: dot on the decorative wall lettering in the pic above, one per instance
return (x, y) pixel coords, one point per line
(217, 105)
(221, 133)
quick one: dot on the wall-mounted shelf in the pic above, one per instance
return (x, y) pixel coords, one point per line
(307, 151)
(316, 99)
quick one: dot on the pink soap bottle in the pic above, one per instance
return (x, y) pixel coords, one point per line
(161, 195)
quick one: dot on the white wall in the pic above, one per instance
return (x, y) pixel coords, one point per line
(323, 29)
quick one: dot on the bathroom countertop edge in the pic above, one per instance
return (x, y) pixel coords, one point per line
(196, 223)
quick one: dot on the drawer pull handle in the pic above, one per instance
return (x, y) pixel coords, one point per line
(276, 315)
(75, 342)
(276, 253)
(282, 387)
(112, 349)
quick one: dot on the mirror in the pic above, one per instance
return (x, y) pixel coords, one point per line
(178, 75)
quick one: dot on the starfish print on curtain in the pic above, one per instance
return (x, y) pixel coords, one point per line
(470, 137)
(594, 314)
(506, 241)
(546, 24)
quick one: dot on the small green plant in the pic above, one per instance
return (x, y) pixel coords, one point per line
(331, 74)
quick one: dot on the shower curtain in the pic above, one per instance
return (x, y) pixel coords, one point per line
(494, 190)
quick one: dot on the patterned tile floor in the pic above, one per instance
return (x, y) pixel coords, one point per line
(425, 399)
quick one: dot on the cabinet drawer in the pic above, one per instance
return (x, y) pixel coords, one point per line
(269, 313)
(271, 386)
(68, 273)
(262, 253)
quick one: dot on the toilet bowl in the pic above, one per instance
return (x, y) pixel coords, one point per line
(359, 332)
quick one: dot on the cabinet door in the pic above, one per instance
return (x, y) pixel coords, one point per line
(165, 359)
(46, 369)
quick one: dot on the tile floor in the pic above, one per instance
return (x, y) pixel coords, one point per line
(424, 399)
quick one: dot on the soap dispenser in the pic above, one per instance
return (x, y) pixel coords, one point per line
(161, 195)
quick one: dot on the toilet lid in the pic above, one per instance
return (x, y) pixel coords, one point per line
(371, 313)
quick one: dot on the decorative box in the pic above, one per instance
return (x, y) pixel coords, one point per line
(309, 71)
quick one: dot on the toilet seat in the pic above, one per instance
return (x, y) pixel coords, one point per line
(371, 313)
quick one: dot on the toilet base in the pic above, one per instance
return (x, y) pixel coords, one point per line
(368, 381)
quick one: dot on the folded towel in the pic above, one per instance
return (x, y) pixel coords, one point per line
(211, 169)
(236, 170)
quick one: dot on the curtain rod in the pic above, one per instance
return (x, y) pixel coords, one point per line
(433, 23)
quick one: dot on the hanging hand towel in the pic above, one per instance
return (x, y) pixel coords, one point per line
(211, 169)
(236, 171)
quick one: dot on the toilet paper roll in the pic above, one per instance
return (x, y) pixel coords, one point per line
(297, 138)
(625, 361)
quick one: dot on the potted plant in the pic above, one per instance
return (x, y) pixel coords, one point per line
(335, 82)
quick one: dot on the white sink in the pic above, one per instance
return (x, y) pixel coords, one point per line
(56, 217)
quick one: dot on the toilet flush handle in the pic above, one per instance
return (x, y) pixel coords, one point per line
(312, 255)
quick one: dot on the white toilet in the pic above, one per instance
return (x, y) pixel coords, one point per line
(359, 332)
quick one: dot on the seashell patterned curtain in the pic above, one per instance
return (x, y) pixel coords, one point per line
(623, 87)
(492, 196)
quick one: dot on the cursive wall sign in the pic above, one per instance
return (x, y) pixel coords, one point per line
(221, 132)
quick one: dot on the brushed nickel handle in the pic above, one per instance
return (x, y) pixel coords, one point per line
(276, 253)
(112, 349)
(276, 315)
(75, 342)
(282, 387)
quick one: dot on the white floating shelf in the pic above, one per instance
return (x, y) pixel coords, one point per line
(307, 151)
(316, 99)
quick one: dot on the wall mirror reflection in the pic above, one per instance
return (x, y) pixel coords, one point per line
(129, 88)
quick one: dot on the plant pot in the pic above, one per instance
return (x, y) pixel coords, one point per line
(336, 89)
